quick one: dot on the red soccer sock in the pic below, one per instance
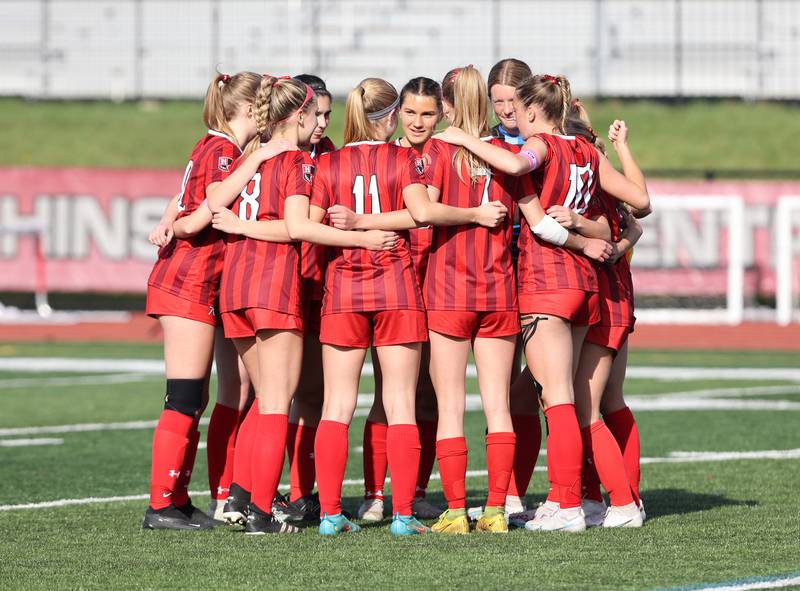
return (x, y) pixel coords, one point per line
(500, 462)
(590, 481)
(181, 496)
(330, 454)
(564, 454)
(170, 442)
(526, 451)
(452, 457)
(269, 449)
(302, 472)
(427, 439)
(623, 427)
(243, 451)
(610, 466)
(375, 461)
(220, 442)
(402, 453)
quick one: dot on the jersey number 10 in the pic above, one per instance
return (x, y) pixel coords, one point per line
(359, 189)
(580, 180)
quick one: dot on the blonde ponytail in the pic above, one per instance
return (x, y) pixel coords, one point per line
(276, 99)
(470, 113)
(371, 96)
(224, 97)
(551, 93)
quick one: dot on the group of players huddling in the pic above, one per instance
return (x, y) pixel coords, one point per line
(421, 248)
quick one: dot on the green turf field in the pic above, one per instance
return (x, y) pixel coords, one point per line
(692, 136)
(715, 518)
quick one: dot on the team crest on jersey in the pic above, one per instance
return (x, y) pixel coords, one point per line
(224, 163)
(308, 172)
(419, 165)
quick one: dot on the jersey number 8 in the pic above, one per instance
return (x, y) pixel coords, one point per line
(250, 199)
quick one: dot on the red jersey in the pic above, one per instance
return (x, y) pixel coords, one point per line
(614, 281)
(258, 273)
(368, 177)
(314, 257)
(470, 266)
(567, 177)
(419, 239)
(190, 267)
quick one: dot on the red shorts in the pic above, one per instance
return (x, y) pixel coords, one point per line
(468, 325)
(247, 322)
(160, 302)
(579, 307)
(385, 327)
(312, 313)
(611, 337)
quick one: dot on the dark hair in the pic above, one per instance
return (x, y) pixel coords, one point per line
(422, 86)
(316, 83)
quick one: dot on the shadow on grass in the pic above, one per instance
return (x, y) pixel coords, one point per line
(672, 501)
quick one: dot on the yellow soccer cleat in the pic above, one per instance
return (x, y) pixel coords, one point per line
(493, 521)
(452, 521)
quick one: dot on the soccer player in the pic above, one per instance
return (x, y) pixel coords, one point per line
(419, 112)
(182, 292)
(557, 286)
(375, 298)
(504, 77)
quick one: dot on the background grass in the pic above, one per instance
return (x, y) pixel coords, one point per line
(731, 137)
(708, 521)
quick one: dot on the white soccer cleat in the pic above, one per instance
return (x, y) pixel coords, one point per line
(594, 512)
(536, 516)
(623, 516)
(371, 510)
(568, 520)
(514, 505)
(215, 509)
(474, 513)
(424, 510)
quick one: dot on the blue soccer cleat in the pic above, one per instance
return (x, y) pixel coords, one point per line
(407, 525)
(333, 525)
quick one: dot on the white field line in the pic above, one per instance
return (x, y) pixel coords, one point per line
(776, 582)
(29, 442)
(659, 403)
(99, 380)
(737, 392)
(773, 454)
(156, 366)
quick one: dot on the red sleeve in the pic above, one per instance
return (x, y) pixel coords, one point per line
(320, 193)
(411, 168)
(299, 175)
(524, 187)
(436, 162)
(221, 162)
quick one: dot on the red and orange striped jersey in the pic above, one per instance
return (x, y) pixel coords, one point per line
(190, 267)
(257, 273)
(314, 257)
(368, 177)
(568, 177)
(470, 266)
(614, 281)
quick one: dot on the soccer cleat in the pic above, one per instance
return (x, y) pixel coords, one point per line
(474, 513)
(169, 518)
(452, 521)
(407, 525)
(260, 523)
(641, 510)
(569, 520)
(623, 516)
(519, 520)
(543, 511)
(196, 516)
(283, 510)
(235, 509)
(215, 507)
(514, 505)
(493, 522)
(371, 510)
(332, 525)
(307, 506)
(594, 512)
(422, 509)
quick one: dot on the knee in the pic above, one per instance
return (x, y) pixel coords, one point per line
(187, 397)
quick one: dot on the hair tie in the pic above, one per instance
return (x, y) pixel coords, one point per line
(225, 78)
(361, 88)
(576, 102)
(551, 79)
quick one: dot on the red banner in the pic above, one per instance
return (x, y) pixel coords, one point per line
(95, 224)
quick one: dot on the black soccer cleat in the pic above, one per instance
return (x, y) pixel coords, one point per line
(260, 523)
(170, 518)
(236, 507)
(195, 515)
(307, 506)
(283, 510)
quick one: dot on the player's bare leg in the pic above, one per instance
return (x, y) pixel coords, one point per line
(374, 451)
(427, 421)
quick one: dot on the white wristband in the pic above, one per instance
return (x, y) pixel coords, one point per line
(550, 230)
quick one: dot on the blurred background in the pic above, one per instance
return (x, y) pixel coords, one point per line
(101, 105)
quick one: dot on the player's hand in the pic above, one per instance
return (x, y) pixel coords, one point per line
(564, 216)
(618, 132)
(226, 221)
(596, 249)
(272, 148)
(452, 135)
(615, 255)
(161, 235)
(491, 214)
(342, 217)
(378, 240)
